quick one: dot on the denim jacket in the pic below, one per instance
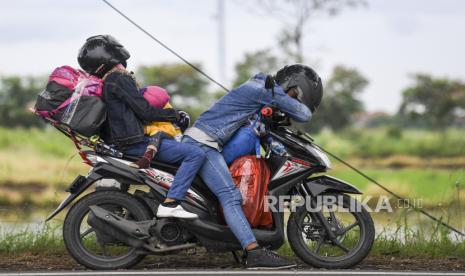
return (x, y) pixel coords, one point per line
(233, 110)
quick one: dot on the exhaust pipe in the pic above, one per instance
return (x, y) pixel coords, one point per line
(112, 227)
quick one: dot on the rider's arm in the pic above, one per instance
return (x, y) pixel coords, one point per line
(124, 87)
(292, 107)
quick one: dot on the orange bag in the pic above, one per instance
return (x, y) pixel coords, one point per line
(251, 176)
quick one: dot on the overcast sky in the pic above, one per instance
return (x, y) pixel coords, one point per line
(386, 41)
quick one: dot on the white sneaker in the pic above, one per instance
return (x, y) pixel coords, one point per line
(174, 212)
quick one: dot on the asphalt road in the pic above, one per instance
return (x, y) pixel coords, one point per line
(233, 272)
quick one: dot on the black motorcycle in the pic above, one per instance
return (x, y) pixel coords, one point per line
(114, 225)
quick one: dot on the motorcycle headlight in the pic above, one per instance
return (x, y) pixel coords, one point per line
(318, 153)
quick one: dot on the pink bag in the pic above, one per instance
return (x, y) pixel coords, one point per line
(66, 76)
(51, 102)
(70, 77)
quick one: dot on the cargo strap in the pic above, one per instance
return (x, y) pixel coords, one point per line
(49, 114)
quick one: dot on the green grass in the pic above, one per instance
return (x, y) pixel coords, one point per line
(35, 166)
(424, 240)
(46, 143)
(380, 142)
(411, 242)
(414, 244)
(433, 185)
(48, 239)
(405, 241)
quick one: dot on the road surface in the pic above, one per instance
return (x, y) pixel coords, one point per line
(231, 272)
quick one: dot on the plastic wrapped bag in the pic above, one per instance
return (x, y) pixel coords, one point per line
(73, 97)
(85, 112)
(251, 176)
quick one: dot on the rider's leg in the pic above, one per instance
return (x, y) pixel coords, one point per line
(151, 151)
(192, 158)
(216, 175)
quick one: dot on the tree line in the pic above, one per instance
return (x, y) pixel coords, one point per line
(429, 102)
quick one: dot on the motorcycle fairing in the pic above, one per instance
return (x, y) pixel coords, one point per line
(118, 169)
(99, 171)
(289, 167)
(77, 187)
(320, 184)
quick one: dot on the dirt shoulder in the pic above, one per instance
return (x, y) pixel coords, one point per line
(35, 262)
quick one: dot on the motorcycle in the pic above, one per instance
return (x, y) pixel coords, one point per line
(114, 226)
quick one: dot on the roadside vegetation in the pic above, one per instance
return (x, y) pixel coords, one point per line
(45, 240)
(418, 152)
(428, 241)
(36, 165)
(388, 141)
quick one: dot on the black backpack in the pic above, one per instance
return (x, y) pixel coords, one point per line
(72, 97)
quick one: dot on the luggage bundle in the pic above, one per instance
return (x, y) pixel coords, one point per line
(251, 176)
(72, 97)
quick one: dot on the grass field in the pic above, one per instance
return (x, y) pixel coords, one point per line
(435, 185)
(406, 242)
(36, 165)
(383, 142)
(379, 142)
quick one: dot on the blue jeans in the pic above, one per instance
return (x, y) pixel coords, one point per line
(216, 175)
(190, 157)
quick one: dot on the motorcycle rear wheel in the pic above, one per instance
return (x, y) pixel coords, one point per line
(79, 248)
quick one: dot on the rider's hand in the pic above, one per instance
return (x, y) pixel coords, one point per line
(183, 120)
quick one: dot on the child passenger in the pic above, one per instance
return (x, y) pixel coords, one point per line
(159, 98)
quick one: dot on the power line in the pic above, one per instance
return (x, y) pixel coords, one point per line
(329, 153)
(164, 45)
(404, 200)
(221, 41)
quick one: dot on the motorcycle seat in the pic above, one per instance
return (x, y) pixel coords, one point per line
(156, 164)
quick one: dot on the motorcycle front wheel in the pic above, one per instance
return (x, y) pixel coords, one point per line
(93, 249)
(351, 224)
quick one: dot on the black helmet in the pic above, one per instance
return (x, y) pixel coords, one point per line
(100, 53)
(305, 80)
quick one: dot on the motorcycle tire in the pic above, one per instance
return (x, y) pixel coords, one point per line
(299, 246)
(72, 223)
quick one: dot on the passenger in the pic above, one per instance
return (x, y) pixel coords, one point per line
(104, 57)
(296, 92)
(159, 98)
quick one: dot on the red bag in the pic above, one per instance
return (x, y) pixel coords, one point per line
(251, 176)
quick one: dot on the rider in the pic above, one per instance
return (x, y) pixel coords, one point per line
(297, 92)
(104, 57)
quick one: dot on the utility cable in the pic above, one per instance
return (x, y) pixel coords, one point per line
(404, 200)
(165, 46)
(329, 153)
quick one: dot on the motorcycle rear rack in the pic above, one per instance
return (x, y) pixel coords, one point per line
(94, 143)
